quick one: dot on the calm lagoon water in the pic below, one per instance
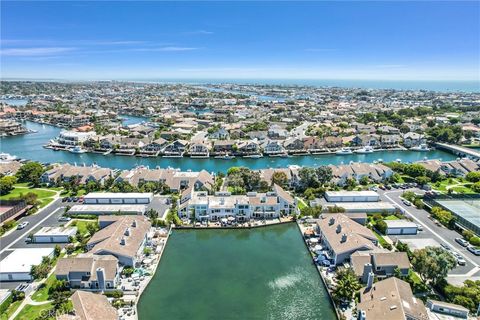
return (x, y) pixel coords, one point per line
(264, 273)
(29, 146)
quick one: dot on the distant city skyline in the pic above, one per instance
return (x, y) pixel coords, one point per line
(240, 40)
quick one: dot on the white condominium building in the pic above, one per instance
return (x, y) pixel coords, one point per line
(243, 207)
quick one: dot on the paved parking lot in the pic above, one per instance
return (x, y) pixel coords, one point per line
(440, 234)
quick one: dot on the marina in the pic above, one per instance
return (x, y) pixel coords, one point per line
(31, 147)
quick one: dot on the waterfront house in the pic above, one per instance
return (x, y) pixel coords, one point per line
(390, 140)
(177, 147)
(224, 146)
(259, 135)
(9, 168)
(248, 147)
(74, 138)
(391, 299)
(333, 142)
(11, 128)
(381, 262)
(268, 205)
(88, 271)
(121, 236)
(199, 149)
(91, 306)
(272, 147)
(154, 146)
(413, 139)
(372, 140)
(313, 143)
(342, 236)
(293, 144)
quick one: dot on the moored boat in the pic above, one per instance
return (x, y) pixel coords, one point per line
(344, 151)
(422, 147)
(366, 149)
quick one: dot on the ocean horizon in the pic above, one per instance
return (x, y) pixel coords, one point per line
(429, 85)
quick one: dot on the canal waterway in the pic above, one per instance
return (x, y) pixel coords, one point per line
(263, 273)
(30, 146)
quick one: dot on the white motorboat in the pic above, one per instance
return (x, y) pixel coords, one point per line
(366, 149)
(344, 151)
(7, 157)
(77, 149)
(226, 156)
(254, 156)
(422, 147)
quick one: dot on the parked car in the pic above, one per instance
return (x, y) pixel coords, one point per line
(406, 202)
(419, 227)
(64, 199)
(23, 225)
(460, 260)
(446, 246)
(462, 242)
(64, 218)
(474, 250)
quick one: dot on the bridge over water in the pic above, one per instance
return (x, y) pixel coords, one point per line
(460, 151)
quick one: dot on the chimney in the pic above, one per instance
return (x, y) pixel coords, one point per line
(339, 228)
(101, 278)
(134, 223)
(123, 241)
(367, 268)
(332, 221)
(127, 232)
(362, 315)
(370, 280)
(344, 237)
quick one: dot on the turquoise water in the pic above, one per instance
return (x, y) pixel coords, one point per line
(248, 274)
(30, 147)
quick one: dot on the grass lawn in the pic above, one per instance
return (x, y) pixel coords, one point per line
(380, 239)
(82, 225)
(391, 217)
(42, 293)
(459, 186)
(10, 310)
(301, 203)
(32, 312)
(44, 196)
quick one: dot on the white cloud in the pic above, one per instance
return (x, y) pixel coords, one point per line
(165, 49)
(28, 52)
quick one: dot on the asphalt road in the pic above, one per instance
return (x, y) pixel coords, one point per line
(48, 216)
(440, 234)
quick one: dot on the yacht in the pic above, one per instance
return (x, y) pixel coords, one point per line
(344, 151)
(226, 156)
(366, 149)
(422, 147)
(77, 149)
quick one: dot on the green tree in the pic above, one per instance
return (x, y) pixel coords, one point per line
(347, 285)
(279, 178)
(6, 184)
(473, 176)
(30, 172)
(433, 263)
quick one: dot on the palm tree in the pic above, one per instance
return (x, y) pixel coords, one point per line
(347, 285)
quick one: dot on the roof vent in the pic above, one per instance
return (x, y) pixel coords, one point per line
(339, 228)
(332, 221)
(123, 241)
(134, 223)
(393, 307)
(344, 237)
(127, 232)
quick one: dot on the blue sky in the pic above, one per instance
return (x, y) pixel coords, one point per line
(407, 40)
